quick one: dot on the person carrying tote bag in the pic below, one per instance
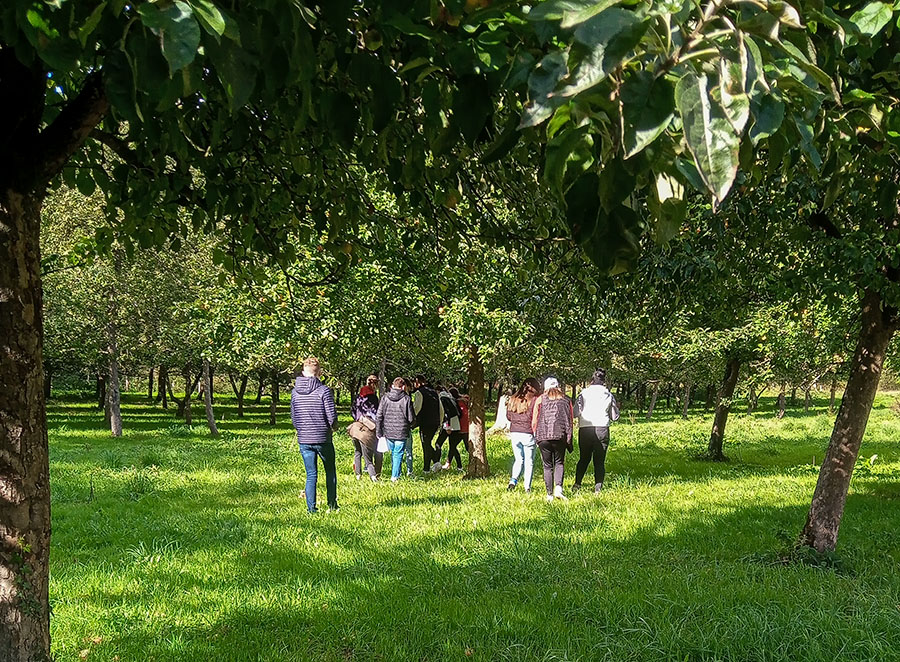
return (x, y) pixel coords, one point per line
(362, 431)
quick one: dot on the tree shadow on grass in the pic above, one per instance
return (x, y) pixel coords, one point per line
(556, 584)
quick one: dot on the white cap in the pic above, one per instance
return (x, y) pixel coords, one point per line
(550, 382)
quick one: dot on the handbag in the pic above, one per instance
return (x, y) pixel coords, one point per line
(382, 445)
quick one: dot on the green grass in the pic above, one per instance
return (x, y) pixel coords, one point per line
(169, 545)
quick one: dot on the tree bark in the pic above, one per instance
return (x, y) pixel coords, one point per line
(782, 402)
(161, 390)
(687, 400)
(831, 398)
(150, 386)
(478, 462)
(824, 519)
(207, 399)
(48, 383)
(273, 402)
(113, 392)
(239, 392)
(101, 392)
(807, 398)
(653, 395)
(793, 396)
(723, 407)
(709, 398)
(259, 391)
(24, 470)
(185, 405)
(751, 399)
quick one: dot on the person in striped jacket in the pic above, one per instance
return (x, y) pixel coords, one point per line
(314, 415)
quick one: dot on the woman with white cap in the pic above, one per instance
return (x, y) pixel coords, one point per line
(552, 426)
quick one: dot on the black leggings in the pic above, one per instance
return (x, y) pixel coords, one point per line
(553, 455)
(428, 451)
(593, 442)
(455, 439)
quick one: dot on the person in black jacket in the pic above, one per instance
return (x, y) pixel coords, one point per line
(429, 413)
(394, 421)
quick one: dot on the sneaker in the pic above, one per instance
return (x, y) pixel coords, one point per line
(597, 488)
(510, 487)
(528, 491)
(334, 509)
(576, 487)
(313, 511)
(549, 498)
(358, 476)
(446, 465)
(558, 493)
(374, 479)
(437, 466)
(394, 479)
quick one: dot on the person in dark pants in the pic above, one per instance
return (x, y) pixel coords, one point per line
(552, 425)
(449, 425)
(362, 431)
(595, 408)
(462, 436)
(429, 414)
(313, 414)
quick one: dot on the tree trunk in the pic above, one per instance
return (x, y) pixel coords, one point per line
(48, 383)
(827, 508)
(831, 398)
(653, 395)
(490, 393)
(259, 391)
(239, 392)
(207, 399)
(709, 398)
(113, 393)
(273, 407)
(794, 396)
(185, 404)
(782, 402)
(24, 471)
(807, 398)
(101, 392)
(751, 399)
(723, 406)
(687, 400)
(150, 386)
(478, 462)
(162, 394)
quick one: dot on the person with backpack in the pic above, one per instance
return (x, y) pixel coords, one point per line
(450, 422)
(394, 421)
(519, 413)
(364, 409)
(429, 413)
(461, 436)
(595, 408)
(313, 414)
(552, 426)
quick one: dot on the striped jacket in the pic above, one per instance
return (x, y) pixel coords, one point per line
(312, 411)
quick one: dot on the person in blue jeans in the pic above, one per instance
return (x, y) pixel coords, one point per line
(394, 422)
(314, 415)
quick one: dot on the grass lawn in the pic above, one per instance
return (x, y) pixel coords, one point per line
(169, 545)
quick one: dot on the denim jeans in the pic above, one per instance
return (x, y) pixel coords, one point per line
(408, 452)
(310, 452)
(523, 452)
(396, 447)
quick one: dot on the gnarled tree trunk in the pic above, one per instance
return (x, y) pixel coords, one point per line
(687, 400)
(478, 463)
(830, 496)
(185, 404)
(723, 407)
(782, 402)
(273, 404)
(150, 386)
(207, 399)
(239, 392)
(113, 393)
(653, 396)
(24, 471)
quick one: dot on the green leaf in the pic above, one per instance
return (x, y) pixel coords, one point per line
(709, 134)
(668, 206)
(648, 105)
(91, 24)
(237, 71)
(472, 105)
(85, 182)
(556, 10)
(541, 83)
(872, 18)
(768, 114)
(600, 46)
(504, 143)
(209, 17)
(573, 17)
(178, 31)
(570, 150)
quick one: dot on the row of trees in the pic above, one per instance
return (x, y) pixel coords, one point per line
(569, 128)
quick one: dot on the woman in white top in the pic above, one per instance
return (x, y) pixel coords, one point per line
(595, 408)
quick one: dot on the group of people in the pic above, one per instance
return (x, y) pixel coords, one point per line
(539, 414)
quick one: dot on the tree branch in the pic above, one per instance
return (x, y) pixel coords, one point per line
(67, 133)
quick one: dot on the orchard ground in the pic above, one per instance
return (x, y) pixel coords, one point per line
(171, 546)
